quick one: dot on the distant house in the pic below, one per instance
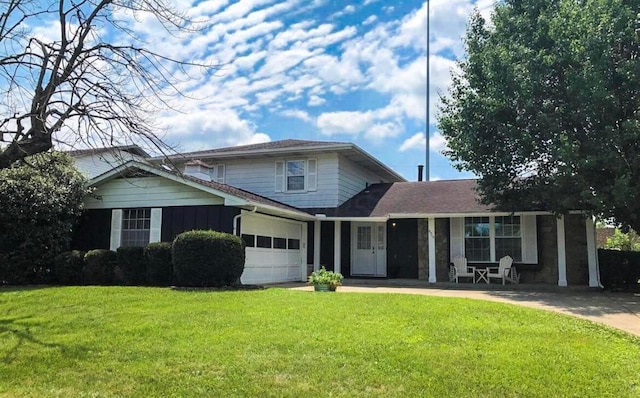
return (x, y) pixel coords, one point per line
(300, 204)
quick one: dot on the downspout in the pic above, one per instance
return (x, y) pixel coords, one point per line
(595, 235)
(236, 218)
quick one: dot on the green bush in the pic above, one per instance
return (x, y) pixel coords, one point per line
(99, 267)
(40, 202)
(67, 267)
(207, 258)
(159, 265)
(131, 268)
(629, 241)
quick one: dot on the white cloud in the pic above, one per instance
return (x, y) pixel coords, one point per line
(297, 114)
(416, 141)
(370, 19)
(437, 143)
(315, 100)
(351, 123)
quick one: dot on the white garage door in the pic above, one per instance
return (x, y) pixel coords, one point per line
(274, 249)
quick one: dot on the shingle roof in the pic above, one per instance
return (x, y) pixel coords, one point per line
(427, 197)
(241, 193)
(227, 189)
(134, 149)
(265, 146)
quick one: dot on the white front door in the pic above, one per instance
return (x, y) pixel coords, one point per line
(368, 249)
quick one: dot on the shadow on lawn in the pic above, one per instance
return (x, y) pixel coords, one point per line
(14, 328)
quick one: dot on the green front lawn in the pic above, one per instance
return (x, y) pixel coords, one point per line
(145, 342)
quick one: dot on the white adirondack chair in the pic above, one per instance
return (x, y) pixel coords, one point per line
(505, 271)
(461, 270)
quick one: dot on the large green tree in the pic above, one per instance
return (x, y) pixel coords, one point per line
(40, 202)
(545, 107)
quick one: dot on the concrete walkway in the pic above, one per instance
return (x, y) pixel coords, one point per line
(618, 310)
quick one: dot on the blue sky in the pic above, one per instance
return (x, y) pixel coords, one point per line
(329, 70)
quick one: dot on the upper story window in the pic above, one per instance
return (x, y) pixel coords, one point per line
(217, 173)
(136, 227)
(296, 175)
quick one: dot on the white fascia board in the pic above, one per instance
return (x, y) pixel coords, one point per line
(357, 219)
(277, 211)
(274, 151)
(456, 215)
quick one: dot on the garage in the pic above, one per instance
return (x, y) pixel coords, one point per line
(275, 250)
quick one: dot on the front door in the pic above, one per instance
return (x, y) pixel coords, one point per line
(369, 249)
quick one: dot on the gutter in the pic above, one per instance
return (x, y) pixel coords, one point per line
(237, 218)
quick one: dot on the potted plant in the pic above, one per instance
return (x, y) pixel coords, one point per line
(324, 281)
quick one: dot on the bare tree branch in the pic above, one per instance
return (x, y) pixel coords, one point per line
(96, 78)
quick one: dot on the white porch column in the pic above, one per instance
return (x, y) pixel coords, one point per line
(316, 245)
(592, 253)
(432, 250)
(562, 255)
(336, 245)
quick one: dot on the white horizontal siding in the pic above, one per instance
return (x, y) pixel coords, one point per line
(353, 179)
(94, 164)
(258, 176)
(147, 192)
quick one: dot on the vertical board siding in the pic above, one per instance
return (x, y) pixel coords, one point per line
(93, 230)
(402, 248)
(176, 220)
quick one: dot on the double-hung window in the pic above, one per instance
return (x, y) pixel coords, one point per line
(296, 175)
(508, 237)
(136, 227)
(488, 239)
(477, 239)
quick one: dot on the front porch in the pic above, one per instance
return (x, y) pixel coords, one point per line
(561, 251)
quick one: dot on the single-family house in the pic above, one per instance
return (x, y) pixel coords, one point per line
(302, 204)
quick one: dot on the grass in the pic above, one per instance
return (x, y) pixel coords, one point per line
(146, 342)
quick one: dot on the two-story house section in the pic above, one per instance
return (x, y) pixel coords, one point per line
(94, 161)
(304, 174)
(304, 204)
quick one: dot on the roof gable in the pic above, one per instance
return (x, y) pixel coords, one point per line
(233, 196)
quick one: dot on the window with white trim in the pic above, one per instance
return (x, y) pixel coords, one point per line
(508, 237)
(297, 175)
(136, 227)
(488, 239)
(217, 173)
(477, 239)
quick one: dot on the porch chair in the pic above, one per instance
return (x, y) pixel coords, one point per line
(462, 270)
(505, 271)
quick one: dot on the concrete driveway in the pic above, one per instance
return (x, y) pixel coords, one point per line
(618, 310)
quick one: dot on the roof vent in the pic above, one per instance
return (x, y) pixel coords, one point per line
(420, 171)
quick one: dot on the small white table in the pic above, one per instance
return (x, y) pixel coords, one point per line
(481, 275)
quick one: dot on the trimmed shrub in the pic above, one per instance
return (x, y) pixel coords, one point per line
(619, 269)
(99, 267)
(159, 265)
(131, 269)
(67, 267)
(207, 258)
